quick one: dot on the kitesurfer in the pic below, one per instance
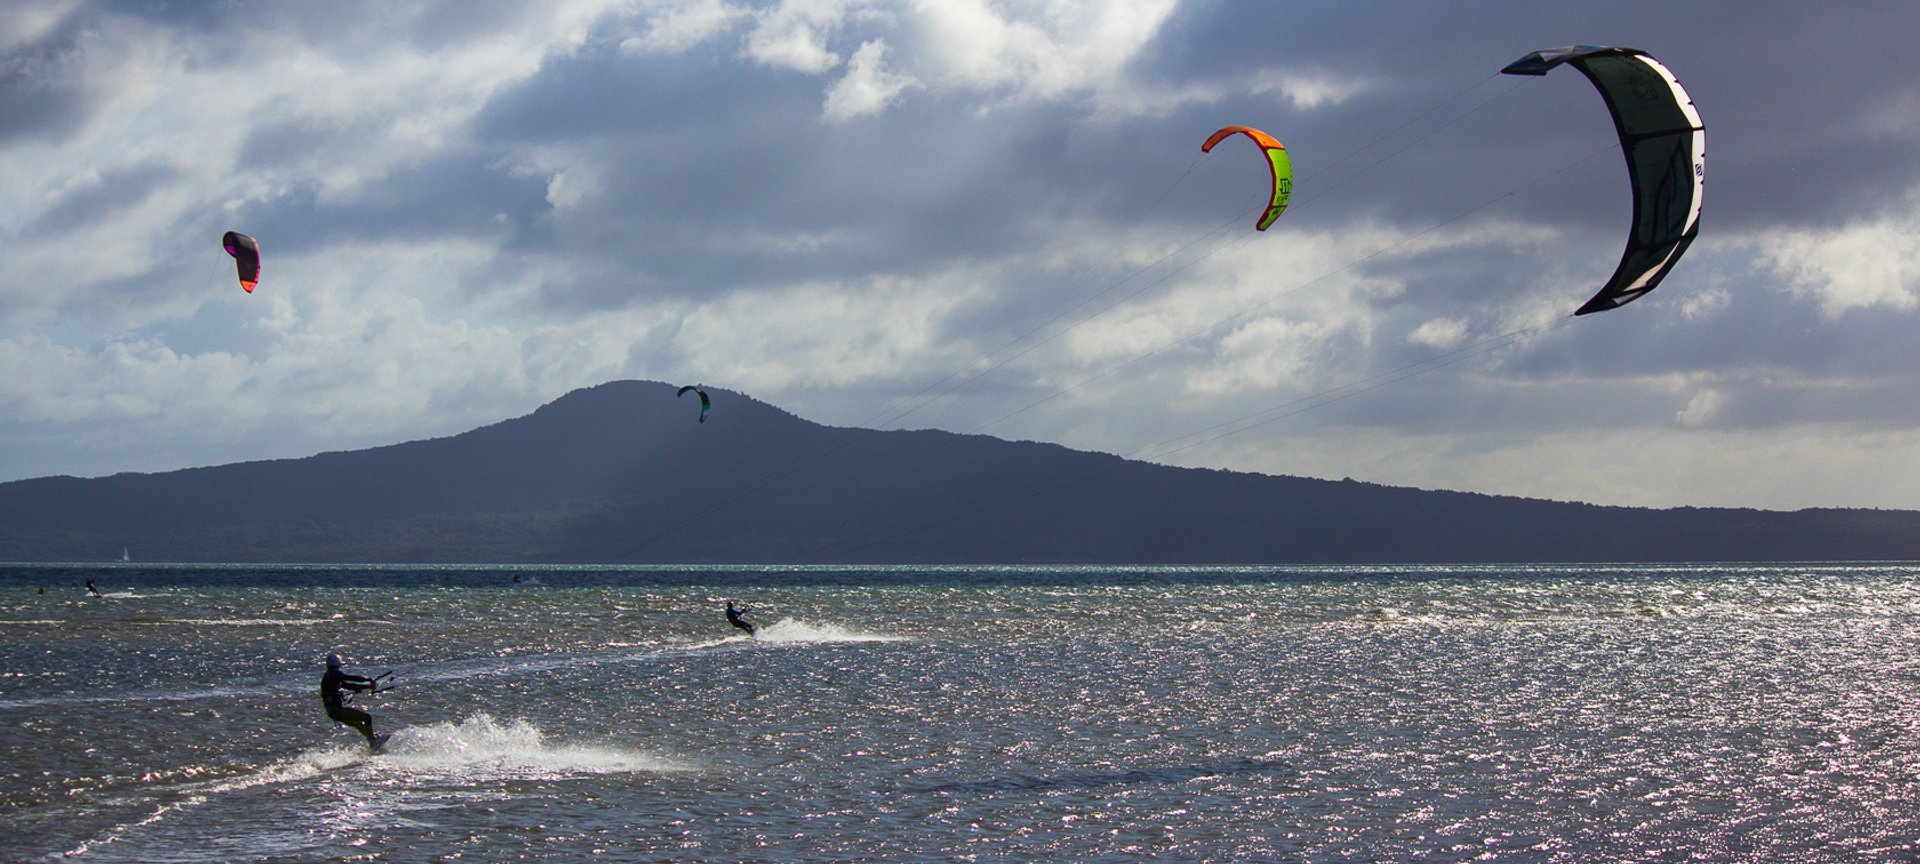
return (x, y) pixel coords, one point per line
(733, 617)
(335, 702)
(92, 590)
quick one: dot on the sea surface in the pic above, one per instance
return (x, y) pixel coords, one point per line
(1494, 713)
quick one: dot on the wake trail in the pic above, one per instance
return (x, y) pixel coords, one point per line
(789, 630)
(785, 631)
(474, 750)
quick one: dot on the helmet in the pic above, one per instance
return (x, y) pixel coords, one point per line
(333, 661)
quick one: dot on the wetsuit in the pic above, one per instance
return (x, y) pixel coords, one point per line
(92, 590)
(335, 702)
(733, 617)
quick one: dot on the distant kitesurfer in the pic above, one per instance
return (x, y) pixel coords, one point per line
(733, 617)
(337, 708)
(92, 589)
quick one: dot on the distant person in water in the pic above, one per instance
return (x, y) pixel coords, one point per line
(91, 589)
(335, 701)
(733, 617)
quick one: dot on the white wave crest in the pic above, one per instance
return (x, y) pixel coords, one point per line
(482, 746)
(789, 630)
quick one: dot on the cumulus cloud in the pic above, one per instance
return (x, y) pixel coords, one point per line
(1065, 48)
(1439, 333)
(1308, 89)
(1860, 266)
(868, 87)
(675, 27)
(794, 34)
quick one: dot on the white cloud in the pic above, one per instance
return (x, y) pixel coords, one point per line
(1703, 408)
(1263, 354)
(868, 87)
(1053, 50)
(170, 110)
(673, 28)
(1704, 303)
(29, 20)
(1308, 90)
(1023, 52)
(1861, 266)
(347, 361)
(1439, 333)
(820, 334)
(794, 34)
(1806, 465)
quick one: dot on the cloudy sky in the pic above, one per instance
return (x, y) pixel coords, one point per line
(976, 215)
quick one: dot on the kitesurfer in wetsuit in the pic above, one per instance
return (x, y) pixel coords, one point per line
(330, 696)
(733, 617)
(91, 590)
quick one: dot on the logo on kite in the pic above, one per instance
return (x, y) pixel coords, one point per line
(705, 403)
(246, 257)
(1277, 160)
(1665, 145)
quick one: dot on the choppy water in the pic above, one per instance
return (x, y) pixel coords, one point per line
(1767, 713)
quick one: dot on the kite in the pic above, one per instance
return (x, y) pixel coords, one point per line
(1665, 145)
(1276, 160)
(705, 403)
(246, 257)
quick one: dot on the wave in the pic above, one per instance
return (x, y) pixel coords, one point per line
(482, 748)
(307, 765)
(790, 630)
(153, 696)
(477, 748)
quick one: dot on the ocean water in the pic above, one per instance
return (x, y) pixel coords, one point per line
(1558, 713)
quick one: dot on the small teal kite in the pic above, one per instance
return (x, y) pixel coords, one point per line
(705, 403)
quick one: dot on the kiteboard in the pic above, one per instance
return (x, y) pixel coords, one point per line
(378, 742)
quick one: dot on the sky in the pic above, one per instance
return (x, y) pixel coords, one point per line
(983, 217)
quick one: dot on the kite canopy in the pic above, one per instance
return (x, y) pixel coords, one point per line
(705, 403)
(246, 257)
(1665, 145)
(1276, 160)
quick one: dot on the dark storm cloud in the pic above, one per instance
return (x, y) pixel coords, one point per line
(458, 195)
(348, 26)
(1798, 116)
(116, 189)
(46, 91)
(1756, 324)
(599, 91)
(698, 162)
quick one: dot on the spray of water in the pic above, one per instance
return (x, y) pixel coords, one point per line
(789, 630)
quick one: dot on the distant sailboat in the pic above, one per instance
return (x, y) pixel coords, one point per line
(124, 557)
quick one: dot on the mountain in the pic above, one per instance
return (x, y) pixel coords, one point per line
(623, 473)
